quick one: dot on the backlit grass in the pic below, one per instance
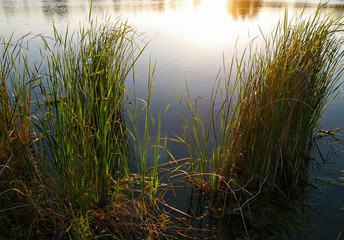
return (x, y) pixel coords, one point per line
(262, 118)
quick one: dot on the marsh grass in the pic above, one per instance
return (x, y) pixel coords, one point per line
(101, 161)
(16, 81)
(86, 96)
(91, 147)
(263, 116)
(67, 165)
(285, 90)
(18, 169)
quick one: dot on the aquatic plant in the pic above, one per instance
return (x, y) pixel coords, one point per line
(66, 164)
(18, 169)
(99, 160)
(84, 86)
(263, 116)
(286, 87)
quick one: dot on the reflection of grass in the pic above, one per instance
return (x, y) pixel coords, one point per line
(339, 182)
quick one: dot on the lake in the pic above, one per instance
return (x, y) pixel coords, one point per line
(189, 40)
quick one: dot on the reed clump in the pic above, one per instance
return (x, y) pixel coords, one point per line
(86, 98)
(14, 107)
(90, 152)
(65, 147)
(19, 173)
(284, 90)
(263, 116)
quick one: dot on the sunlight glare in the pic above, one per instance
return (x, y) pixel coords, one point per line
(200, 24)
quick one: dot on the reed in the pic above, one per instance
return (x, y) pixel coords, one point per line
(287, 85)
(18, 169)
(263, 116)
(103, 161)
(86, 94)
(16, 82)
(70, 165)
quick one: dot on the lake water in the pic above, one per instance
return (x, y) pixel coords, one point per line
(189, 40)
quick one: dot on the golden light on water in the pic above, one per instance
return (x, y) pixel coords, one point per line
(205, 22)
(199, 22)
(210, 23)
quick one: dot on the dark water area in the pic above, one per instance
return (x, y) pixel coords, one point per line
(189, 39)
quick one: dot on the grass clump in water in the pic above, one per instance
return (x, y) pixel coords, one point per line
(86, 93)
(263, 117)
(89, 142)
(284, 91)
(66, 165)
(19, 173)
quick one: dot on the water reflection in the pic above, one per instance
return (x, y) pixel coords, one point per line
(52, 7)
(11, 8)
(158, 5)
(197, 3)
(140, 5)
(237, 9)
(241, 9)
(8, 7)
(244, 8)
(174, 5)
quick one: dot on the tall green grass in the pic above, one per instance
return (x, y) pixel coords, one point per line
(16, 81)
(285, 90)
(86, 95)
(18, 168)
(67, 164)
(264, 114)
(100, 161)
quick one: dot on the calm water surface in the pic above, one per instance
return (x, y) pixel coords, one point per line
(189, 40)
